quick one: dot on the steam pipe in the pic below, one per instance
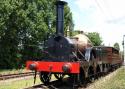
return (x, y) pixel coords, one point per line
(60, 17)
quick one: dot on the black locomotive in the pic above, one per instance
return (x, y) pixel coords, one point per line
(73, 56)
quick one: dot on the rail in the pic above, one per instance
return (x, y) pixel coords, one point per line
(11, 76)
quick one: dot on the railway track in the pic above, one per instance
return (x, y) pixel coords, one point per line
(11, 76)
(66, 83)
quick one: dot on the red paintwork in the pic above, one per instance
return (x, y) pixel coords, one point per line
(54, 67)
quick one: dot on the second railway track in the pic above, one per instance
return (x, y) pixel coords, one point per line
(18, 75)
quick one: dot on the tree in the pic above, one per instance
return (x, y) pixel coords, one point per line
(116, 45)
(68, 20)
(95, 38)
(24, 23)
(23, 26)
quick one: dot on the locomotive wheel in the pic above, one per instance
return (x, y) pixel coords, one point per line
(71, 77)
(45, 77)
(91, 75)
(82, 79)
(59, 76)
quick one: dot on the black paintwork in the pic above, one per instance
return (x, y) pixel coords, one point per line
(60, 17)
(58, 48)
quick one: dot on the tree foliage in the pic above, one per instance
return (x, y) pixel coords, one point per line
(68, 21)
(95, 38)
(23, 26)
(116, 45)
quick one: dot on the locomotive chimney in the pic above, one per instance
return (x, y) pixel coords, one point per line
(60, 17)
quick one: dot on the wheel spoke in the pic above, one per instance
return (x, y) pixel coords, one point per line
(45, 77)
(59, 76)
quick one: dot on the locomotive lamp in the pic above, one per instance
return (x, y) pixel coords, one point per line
(66, 67)
(33, 66)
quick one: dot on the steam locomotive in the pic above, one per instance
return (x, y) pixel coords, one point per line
(75, 56)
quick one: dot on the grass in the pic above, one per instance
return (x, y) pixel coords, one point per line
(115, 80)
(20, 84)
(12, 71)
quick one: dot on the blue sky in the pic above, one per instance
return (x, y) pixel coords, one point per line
(106, 17)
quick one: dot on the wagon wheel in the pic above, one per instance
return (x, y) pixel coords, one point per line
(45, 77)
(59, 76)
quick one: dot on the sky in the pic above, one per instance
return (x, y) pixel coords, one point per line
(106, 17)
